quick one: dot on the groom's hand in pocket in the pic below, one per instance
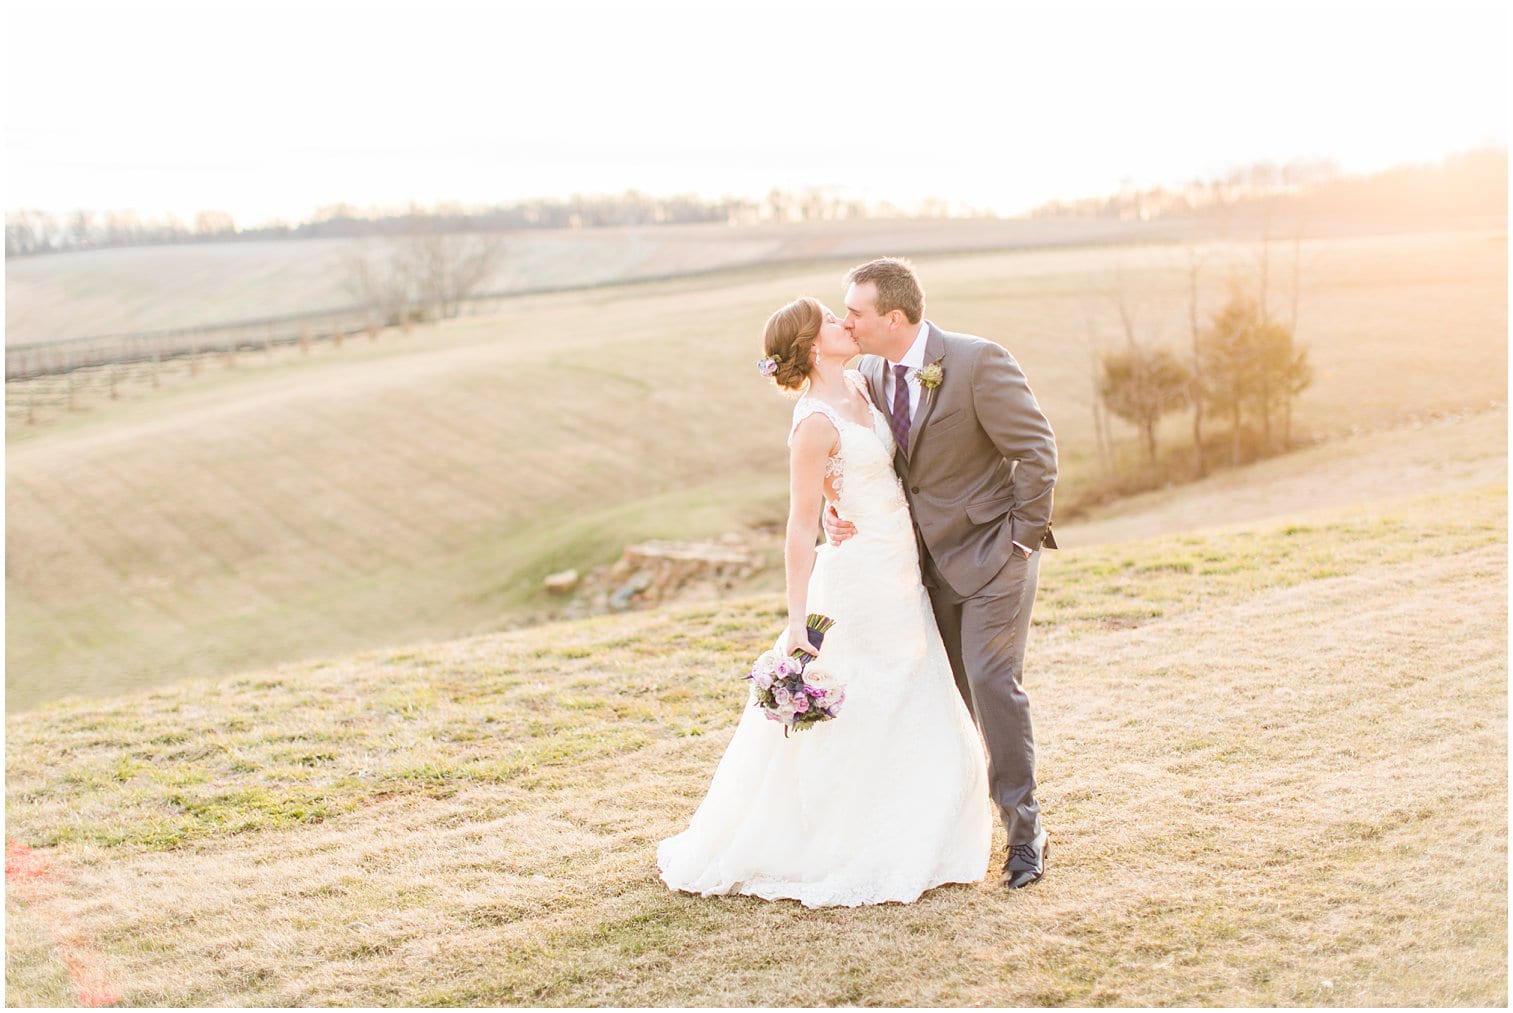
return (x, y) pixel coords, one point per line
(836, 530)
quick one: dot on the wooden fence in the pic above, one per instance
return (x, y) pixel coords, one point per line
(33, 359)
(46, 379)
(50, 358)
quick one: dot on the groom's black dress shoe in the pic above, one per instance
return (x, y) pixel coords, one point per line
(1026, 862)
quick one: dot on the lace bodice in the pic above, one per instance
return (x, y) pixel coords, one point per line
(862, 466)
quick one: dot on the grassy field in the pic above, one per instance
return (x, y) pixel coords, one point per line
(418, 487)
(1273, 758)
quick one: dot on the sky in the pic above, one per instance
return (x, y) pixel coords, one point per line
(269, 110)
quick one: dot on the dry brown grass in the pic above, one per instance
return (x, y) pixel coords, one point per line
(420, 487)
(1273, 760)
(34, 969)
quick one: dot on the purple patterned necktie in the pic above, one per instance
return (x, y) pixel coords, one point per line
(899, 419)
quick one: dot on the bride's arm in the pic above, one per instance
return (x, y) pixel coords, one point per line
(814, 441)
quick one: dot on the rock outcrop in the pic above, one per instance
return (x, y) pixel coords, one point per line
(651, 573)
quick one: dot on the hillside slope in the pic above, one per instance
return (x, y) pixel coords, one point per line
(1273, 760)
(1443, 455)
(421, 486)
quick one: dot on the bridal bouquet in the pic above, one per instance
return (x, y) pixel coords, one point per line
(795, 690)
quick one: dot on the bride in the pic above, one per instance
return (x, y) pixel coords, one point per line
(889, 798)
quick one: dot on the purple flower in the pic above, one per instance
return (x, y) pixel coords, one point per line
(795, 691)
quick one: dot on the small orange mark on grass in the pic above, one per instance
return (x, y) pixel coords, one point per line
(88, 976)
(28, 873)
(22, 864)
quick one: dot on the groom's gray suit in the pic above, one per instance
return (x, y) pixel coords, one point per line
(978, 473)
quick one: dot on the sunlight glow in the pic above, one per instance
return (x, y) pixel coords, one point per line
(270, 110)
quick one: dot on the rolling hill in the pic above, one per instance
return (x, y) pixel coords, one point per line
(271, 740)
(418, 487)
(128, 289)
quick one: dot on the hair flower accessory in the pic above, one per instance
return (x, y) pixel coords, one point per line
(931, 375)
(769, 365)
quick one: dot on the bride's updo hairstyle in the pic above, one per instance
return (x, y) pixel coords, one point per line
(789, 338)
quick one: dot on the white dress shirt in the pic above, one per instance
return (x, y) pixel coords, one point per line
(914, 359)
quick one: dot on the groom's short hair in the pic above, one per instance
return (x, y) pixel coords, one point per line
(897, 286)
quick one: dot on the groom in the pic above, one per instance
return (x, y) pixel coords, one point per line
(977, 459)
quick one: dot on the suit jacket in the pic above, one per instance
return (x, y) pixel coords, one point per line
(981, 464)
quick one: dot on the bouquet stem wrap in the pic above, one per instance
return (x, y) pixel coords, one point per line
(818, 626)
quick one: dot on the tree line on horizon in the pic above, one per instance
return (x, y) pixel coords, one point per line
(29, 231)
(1470, 183)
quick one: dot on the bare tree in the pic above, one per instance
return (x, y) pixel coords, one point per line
(1100, 418)
(1286, 373)
(1300, 374)
(449, 267)
(31, 231)
(1226, 359)
(214, 223)
(381, 279)
(779, 203)
(80, 229)
(1195, 393)
(425, 272)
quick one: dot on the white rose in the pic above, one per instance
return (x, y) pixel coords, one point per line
(821, 678)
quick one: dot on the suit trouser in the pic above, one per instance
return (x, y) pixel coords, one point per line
(984, 635)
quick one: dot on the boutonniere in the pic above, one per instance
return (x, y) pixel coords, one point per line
(931, 375)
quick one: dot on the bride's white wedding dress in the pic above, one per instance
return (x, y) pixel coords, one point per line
(889, 798)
